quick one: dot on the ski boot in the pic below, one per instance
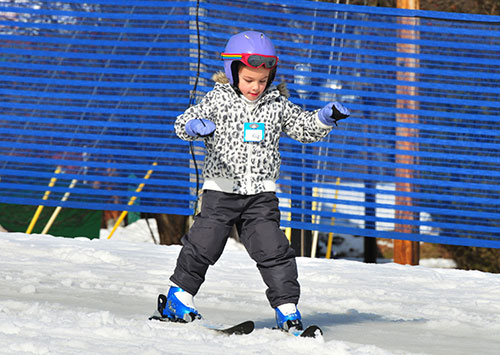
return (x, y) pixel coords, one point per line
(288, 318)
(176, 306)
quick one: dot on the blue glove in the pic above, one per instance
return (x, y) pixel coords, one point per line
(333, 112)
(200, 127)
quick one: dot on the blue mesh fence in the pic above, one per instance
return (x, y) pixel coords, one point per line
(89, 90)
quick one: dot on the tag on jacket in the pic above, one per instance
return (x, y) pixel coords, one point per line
(253, 132)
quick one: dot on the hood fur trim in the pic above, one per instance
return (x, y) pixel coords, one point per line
(283, 89)
(221, 78)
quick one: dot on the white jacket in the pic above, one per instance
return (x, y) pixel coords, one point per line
(233, 165)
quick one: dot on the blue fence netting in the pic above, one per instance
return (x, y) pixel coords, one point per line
(89, 90)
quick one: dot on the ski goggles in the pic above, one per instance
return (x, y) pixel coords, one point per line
(253, 60)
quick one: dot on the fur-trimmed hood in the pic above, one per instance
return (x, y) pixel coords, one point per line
(221, 78)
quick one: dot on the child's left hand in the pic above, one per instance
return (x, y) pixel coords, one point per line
(333, 112)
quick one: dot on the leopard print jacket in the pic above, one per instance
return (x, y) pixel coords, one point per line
(233, 165)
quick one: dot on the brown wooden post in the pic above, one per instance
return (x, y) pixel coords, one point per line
(405, 251)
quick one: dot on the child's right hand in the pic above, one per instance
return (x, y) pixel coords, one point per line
(200, 127)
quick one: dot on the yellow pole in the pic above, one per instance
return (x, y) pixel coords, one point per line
(330, 235)
(315, 219)
(288, 230)
(131, 201)
(44, 198)
(58, 209)
(288, 234)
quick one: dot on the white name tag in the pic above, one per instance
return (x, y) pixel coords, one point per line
(253, 132)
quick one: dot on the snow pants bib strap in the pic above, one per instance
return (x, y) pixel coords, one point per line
(257, 219)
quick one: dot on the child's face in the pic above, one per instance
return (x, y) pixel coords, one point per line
(252, 81)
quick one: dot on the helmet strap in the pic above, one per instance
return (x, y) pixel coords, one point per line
(234, 72)
(272, 75)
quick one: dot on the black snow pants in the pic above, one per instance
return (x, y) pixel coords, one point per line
(257, 219)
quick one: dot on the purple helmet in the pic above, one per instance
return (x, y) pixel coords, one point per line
(251, 42)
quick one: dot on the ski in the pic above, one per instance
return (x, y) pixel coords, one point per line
(243, 328)
(239, 329)
(312, 331)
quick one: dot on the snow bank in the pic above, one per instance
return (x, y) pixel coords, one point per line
(77, 296)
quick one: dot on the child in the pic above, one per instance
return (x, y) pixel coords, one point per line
(240, 121)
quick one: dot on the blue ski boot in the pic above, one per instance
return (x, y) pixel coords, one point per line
(177, 306)
(288, 318)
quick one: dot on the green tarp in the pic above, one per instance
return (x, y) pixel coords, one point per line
(70, 222)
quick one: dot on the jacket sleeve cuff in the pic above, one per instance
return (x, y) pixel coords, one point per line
(321, 124)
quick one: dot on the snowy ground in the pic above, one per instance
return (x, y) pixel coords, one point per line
(77, 296)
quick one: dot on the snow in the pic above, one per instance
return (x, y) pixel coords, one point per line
(81, 296)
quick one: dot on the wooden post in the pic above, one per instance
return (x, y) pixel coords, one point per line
(405, 251)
